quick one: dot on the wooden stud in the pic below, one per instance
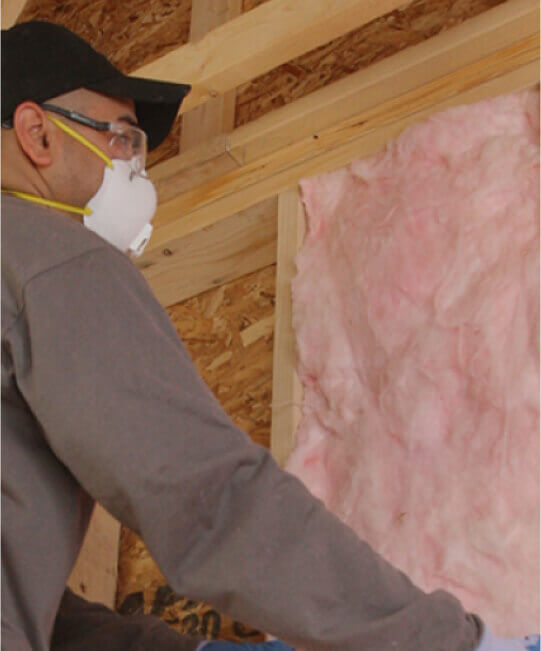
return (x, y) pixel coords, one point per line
(260, 40)
(217, 116)
(95, 573)
(286, 387)
(335, 147)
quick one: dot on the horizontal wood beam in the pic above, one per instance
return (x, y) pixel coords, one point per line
(236, 246)
(494, 53)
(260, 40)
(347, 99)
(192, 168)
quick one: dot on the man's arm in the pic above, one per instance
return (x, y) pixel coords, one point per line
(123, 407)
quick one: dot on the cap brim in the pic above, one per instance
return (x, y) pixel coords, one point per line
(156, 103)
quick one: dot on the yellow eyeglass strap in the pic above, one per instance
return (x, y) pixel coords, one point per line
(48, 202)
(81, 139)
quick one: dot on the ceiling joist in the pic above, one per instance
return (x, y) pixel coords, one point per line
(258, 41)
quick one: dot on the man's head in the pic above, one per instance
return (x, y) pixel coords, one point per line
(43, 60)
(47, 63)
(39, 157)
(67, 114)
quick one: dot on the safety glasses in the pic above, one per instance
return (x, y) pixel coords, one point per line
(127, 142)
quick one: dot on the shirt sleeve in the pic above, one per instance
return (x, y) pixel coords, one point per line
(123, 407)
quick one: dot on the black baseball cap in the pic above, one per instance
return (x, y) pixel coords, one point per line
(42, 60)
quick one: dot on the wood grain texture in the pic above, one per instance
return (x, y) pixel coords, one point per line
(350, 53)
(216, 116)
(234, 247)
(252, 48)
(286, 387)
(130, 34)
(250, 184)
(348, 97)
(383, 37)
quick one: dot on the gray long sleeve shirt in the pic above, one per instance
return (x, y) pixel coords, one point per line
(100, 401)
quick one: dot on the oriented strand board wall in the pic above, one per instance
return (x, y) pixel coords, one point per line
(130, 34)
(358, 49)
(228, 331)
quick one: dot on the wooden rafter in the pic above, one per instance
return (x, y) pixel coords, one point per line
(494, 53)
(260, 40)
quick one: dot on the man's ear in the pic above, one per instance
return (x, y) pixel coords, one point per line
(34, 133)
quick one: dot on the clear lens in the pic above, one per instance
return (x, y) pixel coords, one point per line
(129, 143)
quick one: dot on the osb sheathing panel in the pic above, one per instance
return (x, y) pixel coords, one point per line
(130, 34)
(379, 39)
(228, 332)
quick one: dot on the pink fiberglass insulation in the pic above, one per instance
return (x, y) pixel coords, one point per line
(416, 309)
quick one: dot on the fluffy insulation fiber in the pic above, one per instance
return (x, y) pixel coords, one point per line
(416, 310)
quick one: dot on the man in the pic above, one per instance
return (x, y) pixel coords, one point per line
(101, 402)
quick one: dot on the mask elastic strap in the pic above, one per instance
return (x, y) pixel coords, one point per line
(82, 140)
(48, 202)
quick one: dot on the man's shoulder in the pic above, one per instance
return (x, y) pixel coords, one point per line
(36, 239)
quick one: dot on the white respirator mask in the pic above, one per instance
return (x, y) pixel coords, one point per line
(121, 210)
(126, 201)
(123, 207)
